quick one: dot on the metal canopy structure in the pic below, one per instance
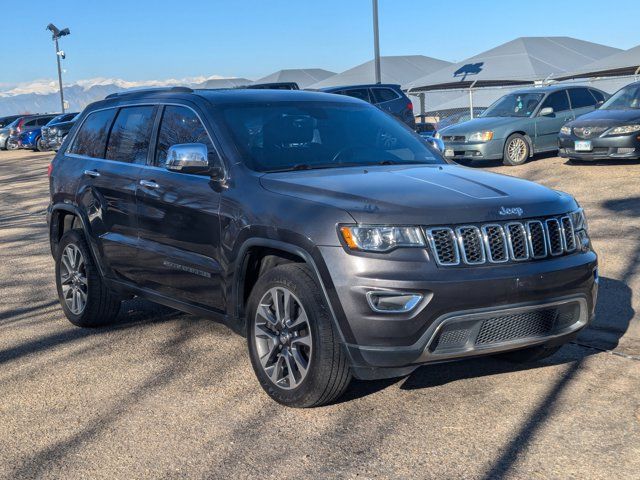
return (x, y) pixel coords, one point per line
(522, 61)
(302, 76)
(226, 83)
(625, 62)
(394, 69)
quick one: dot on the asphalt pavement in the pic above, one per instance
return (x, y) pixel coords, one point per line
(162, 394)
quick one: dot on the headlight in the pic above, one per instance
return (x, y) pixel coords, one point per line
(579, 220)
(581, 230)
(481, 136)
(437, 135)
(565, 130)
(53, 131)
(381, 238)
(623, 130)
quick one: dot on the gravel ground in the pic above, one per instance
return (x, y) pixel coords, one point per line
(163, 394)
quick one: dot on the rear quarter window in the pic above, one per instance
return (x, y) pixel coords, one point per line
(91, 139)
(381, 95)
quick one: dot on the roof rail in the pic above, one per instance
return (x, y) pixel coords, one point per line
(150, 90)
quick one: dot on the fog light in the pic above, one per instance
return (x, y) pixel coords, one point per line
(626, 150)
(382, 301)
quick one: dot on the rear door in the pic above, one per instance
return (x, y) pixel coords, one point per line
(548, 127)
(113, 145)
(178, 214)
(582, 101)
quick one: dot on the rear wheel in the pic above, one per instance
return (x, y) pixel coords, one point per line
(85, 299)
(516, 150)
(293, 344)
(529, 355)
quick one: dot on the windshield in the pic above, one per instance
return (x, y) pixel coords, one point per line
(514, 105)
(308, 135)
(624, 99)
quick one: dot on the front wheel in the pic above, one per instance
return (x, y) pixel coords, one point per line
(293, 344)
(85, 299)
(516, 150)
(40, 145)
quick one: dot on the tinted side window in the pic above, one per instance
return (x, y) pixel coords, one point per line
(181, 125)
(91, 139)
(580, 97)
(30, 123)
(130, 135)
(360, 93)
(558, 101)
(597, 95)
(43, 121)
(384, 95)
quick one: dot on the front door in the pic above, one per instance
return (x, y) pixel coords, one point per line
(548, 126)
(178, 222)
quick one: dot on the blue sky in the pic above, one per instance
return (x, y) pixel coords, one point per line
(158, 39)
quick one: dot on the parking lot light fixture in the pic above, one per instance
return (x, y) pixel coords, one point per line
(56, 33)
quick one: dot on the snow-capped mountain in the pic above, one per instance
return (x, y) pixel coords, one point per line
(41, 96)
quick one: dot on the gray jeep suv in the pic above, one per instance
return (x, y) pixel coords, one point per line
(331, 235)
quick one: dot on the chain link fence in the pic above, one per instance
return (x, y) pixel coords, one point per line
(437, 109)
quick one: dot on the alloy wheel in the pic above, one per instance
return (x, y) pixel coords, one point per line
(517, 150)
(73, 279)
(283, 338)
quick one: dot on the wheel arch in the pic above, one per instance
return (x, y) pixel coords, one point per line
(526, 136)
(287, 253)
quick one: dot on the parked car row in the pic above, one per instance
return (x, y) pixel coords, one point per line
(39, 132)
(581, 123)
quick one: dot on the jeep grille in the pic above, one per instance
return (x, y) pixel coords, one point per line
(501, 242)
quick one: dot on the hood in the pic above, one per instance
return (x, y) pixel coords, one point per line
(479, 124)
(420, 194)
(607, 118)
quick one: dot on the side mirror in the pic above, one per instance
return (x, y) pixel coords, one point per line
(188, 158)
(546, 112)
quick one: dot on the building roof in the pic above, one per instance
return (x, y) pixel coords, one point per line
(393, 69)
(518, 62)
(302, 76)
(626, 62)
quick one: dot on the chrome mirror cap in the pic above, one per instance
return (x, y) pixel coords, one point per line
(187, 158)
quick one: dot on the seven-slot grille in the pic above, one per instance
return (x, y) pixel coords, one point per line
(499, 243)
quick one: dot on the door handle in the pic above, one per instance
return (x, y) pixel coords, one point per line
(149, 184)
(92, 173)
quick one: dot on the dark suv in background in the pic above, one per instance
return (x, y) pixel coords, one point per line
(386, 96)
(328, 233)
(55, 132)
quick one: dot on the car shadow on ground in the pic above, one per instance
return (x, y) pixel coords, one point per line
(498, 163)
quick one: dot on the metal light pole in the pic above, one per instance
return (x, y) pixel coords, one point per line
(376, 41)
(56, 33)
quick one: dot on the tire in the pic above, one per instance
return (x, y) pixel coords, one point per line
(39, 146)
(11, 145)
(78, 280)
(306, 363)
(516, 150)
(529, 355)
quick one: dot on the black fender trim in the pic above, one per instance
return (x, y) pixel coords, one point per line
(52, 219)
(317, 266)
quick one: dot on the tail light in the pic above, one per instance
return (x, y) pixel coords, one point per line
(410, 107)
(49, 169)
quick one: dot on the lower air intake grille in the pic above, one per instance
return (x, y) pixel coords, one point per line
(517, 326)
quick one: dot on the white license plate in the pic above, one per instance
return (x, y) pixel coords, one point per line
(583, 146)
(448, 152)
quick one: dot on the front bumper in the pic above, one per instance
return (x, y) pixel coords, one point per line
(603, 148)
(52, 143)
(390, 344)
(491, 150)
